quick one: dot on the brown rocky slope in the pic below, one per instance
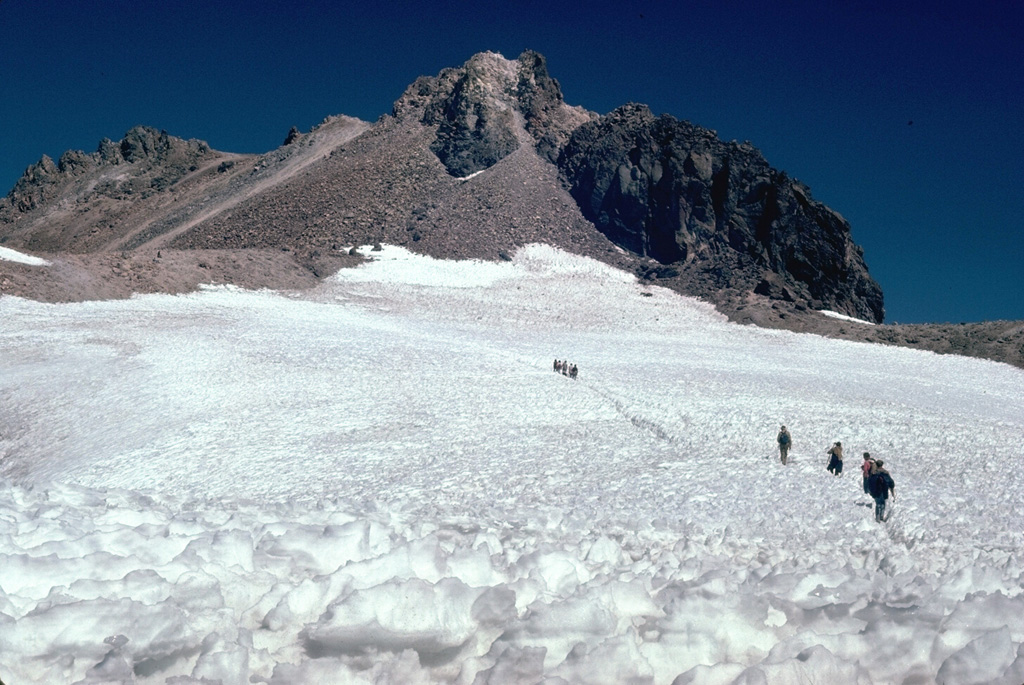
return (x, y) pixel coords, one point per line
(474, 162)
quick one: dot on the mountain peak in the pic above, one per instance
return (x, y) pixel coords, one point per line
(490, 106)
(655, 194)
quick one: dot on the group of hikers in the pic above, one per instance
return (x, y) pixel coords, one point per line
(566, 369)
(877, 481)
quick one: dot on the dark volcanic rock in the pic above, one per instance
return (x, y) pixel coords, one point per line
(293, 135)
(548, 119)
(674, 192)
(34, 187)
(480, 108)
(152, 150)
(85, 200)
(470, 106)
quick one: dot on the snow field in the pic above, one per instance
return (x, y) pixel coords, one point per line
(9, 255)
(386, 483)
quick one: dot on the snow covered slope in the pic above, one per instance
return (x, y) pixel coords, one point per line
(385, 482)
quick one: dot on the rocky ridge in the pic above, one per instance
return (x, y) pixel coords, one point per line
(471, 163)
(159, 160)
(672, 191)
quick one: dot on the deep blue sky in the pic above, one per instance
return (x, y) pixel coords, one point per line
(827, 91)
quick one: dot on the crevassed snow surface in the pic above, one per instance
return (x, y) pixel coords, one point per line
(385, 482)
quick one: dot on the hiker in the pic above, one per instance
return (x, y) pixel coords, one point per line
(866, 469)
(835, 459)
(880, 483)
(785, 441)
(573, 371)
(558, 366)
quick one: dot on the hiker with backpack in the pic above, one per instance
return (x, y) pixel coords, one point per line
(835, 459)
(785, 441)
(880, 484)
(866, 469)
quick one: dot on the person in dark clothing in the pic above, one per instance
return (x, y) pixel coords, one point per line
(880, 484)
(785, 441)
(835, 459)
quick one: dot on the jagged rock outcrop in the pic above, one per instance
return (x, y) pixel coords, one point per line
(73, 205)
(294, 135)
(145, 147)
(480, 108)
(548, 119)
(672, 191)
(476, 125)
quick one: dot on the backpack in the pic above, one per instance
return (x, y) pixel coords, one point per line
(879, 484)
(784, 439)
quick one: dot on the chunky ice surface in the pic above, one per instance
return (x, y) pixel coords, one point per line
(385, 482)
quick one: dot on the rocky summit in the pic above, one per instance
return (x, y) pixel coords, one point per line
(472, 163)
